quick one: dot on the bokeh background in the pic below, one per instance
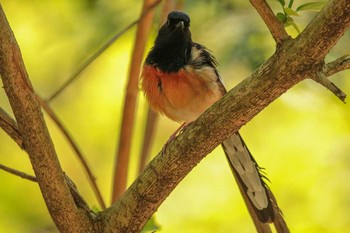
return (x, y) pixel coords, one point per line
(302, 139)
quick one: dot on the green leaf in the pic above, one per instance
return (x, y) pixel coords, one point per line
(311, 6)
(295, 27)
(282, 2)
(281, 17)
(290, 22)
(151, 226)
(290, 11)
(290, 3)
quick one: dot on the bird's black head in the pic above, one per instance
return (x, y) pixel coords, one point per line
(178, 19)
(172, 46)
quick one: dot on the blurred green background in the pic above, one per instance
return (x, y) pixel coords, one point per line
(302, 139)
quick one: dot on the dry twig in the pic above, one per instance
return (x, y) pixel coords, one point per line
(18, 173)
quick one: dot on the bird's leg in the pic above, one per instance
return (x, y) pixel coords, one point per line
(173, 136)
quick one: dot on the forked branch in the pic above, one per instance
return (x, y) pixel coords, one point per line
(294, 61)
(276, 27)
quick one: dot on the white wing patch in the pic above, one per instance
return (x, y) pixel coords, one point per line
(240, 159)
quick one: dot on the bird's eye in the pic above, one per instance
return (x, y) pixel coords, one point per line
(167, 22)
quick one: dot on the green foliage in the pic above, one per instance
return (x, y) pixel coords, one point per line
(151, 226)
(302, 139)
(287, 14)
(311, 6)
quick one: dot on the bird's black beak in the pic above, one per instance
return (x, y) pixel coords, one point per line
(180, 24)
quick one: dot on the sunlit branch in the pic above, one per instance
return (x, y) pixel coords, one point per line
(329, 69)
(340, 64)
(293, 62)
(152, 116)
(36, 137)
(128, 120)
(276, 28)
(324, 81)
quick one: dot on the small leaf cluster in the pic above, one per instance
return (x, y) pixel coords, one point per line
(290, 11)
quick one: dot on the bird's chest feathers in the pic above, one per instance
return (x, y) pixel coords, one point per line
(182, 95)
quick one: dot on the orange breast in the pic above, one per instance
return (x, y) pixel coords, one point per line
(181, 96)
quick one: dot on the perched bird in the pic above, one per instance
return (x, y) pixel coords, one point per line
(180, 80)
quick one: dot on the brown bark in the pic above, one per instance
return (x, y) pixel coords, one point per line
(293, 61)
(123, 151)
(36, 139)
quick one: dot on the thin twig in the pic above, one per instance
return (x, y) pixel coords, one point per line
(18, 173)
(75, 75)
(227, 115)
(276, 28)
(78, 152)
(77, 197)
(322, 79)
(128, 119)
(151, 115)
(9, 125)
(338, 65)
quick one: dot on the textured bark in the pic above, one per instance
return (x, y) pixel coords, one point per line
(293, 61)
(36, 138)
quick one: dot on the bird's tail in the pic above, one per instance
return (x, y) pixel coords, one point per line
(259, 199)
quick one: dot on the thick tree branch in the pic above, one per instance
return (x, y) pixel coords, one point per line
(294, 61)
(36, 139)
(276, 27)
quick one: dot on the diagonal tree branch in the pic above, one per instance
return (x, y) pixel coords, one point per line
(36, 139)
(294, 61)
(276, 27)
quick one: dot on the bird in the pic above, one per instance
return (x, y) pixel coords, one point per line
(180, 80)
